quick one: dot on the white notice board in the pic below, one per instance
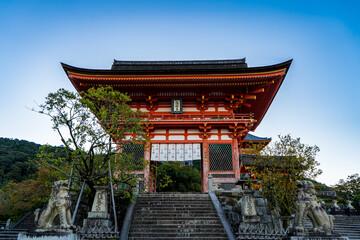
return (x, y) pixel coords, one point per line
(188, 152)
(155, 151)
(175, 152)
(180, 152)
(196, 151)
(163, 152)
(171, 152)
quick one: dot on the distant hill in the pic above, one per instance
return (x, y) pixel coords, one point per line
(14, 160)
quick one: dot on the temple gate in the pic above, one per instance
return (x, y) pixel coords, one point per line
(198, 111)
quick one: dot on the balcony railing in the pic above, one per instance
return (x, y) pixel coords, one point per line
(201, 117)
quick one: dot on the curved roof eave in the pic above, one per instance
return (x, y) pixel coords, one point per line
(220, 67)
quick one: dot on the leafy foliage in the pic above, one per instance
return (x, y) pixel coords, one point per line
(178, 178)
(349, 188)
(93, 128)
(279, 166)
(18, 198)
(14, 160)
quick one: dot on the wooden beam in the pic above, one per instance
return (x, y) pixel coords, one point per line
(205, 166)
(253, 97)
(259, 90)
(246, 105)
(235, 158)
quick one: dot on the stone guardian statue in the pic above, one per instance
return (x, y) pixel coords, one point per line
(59, 204)
(306, 205)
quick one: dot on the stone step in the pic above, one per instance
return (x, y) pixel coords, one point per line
(161, 203)
(175, 216)
(175, 207)
(173, 193)
(178, 229)
(347, 227)
(9, 235)
(176, 221)
(179, 238)
(169, 218)
(155, 196)
(188, 214)
(172, 234)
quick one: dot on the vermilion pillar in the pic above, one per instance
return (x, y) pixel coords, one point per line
(205, 166)
(147, 167)
(235, 157)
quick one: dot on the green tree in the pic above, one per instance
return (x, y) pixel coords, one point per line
(174, 177)
(93, 128)
(18, 198)
(349, 188)
(277, 168)
(14, 156)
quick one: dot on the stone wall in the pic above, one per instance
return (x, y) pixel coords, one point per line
(248, 213)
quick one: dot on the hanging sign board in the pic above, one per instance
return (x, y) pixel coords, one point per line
(175, 152)
(155, 151)
(180, 152)
(163, 152)
(188, 152)
(196, 151)
(171, 152)
(176, 106)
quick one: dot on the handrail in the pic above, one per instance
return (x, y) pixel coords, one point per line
(128, 217)
(222, 216)
(201, 117)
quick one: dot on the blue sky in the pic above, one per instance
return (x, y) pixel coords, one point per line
(317, 102)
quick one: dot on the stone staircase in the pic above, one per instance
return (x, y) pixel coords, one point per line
(10, 234)
(175, 216)
(347, 226)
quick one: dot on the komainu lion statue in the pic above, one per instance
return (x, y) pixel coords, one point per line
(306, 205)
(59, 204)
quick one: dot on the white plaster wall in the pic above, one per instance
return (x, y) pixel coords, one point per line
(214, 137)
(176, 137)
(159, 138)
(163, 109)
(225, 137)
(190, 109)
(222, 109)
(176, 130)
(193, 137)
(160, 131)
(193, 131)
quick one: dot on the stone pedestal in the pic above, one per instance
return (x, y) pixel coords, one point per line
(316, 237)
(98, 219)
(48, 236)
(100, 205)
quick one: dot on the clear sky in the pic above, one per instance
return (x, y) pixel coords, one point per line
(318, 101)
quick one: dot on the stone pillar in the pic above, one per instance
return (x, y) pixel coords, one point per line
(100, 205)
(99, 218)
(235, 157)
(147, 177)
(205, 166)
(211, 183)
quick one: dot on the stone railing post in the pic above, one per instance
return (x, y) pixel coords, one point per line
(211, 183)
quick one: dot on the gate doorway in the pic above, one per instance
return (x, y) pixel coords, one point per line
(176, 167)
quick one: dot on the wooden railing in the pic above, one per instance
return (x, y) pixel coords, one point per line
(201, 117)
